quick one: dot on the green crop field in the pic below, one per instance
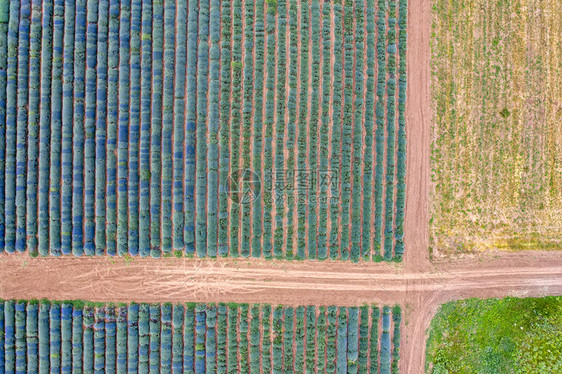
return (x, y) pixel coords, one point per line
(197, 338)
(212, 128)
(497, 125)
(508, 335)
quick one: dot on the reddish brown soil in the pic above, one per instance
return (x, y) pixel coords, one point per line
(289, 283)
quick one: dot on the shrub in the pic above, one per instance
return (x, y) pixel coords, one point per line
(331, 329)
(110, 335)
(213, 149)
(266, 339)
(232, 342)
(76, 137)
(66, 336)
(201, 175)
(277, 336)
(322, 334)
(268, 191)
(337, 157)
(155, 127)
(32, 125)
(397, 318)
(177, 337)
(342, 342)
(357, 187)
(299, 340)
(22, 123)
(210, 339)
(112, 119)
(280, 125)
(99, 339)
(166, 338)
(145, 122)
(257, 231)
(325, 123)
(224, 118)
(9, 336)
(133, 335)
(385, 342)
(101, 128)
(188, 336)
(77, 336)
(352, 340)
(32, 337)
(221, 339)
(44, 132)
(122, 339)
(20, 337)
(123, 127)
(375, 313)
(254, 339)
(168, 125)
(200, 328)
(288, 338)
(247, 103)
(88, 337)
(144, 337)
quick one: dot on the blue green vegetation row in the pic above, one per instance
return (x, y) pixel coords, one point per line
(508, 335)
(139, 127)
(197, 338)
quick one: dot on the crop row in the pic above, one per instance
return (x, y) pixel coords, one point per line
(211, 128)
(197, 338)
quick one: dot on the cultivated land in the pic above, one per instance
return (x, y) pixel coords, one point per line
(497, 126)
(215, 128)
(417, 284)
(196, 338)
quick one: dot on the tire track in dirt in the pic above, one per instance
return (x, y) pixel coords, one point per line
(112, 279)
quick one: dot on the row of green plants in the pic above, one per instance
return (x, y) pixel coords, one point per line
(269, 121)
(248, 102)
(291, 125)
(323, 208)
(213, 128)
(280, 125)
(309, 212)
(357, 159)
(401, 154)
(224, 134)
(43, 336)
(258, 123)
(235, 122)
(336, 156)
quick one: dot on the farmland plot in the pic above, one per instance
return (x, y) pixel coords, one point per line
(243, 128)
(197, 338)
(497, 135)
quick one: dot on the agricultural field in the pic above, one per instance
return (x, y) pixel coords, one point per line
(197, 338)
(259, 128)
(508, 335)
(497, 126)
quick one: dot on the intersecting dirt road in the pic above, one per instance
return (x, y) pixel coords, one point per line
(417, 284)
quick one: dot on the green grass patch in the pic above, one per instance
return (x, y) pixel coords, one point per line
(508, 335)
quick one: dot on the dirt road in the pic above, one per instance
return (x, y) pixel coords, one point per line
(289, 283)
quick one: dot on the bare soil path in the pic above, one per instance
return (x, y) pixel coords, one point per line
(290, 283)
